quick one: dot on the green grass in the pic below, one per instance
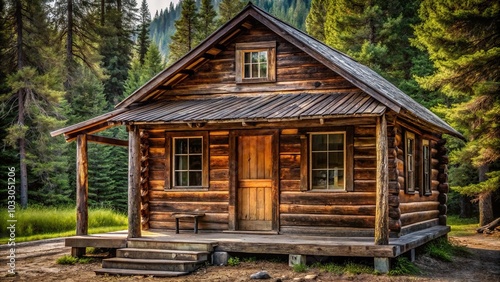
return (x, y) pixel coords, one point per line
(70, 260)
(233, 261)
(348, 268)
(300, 267)
(462, 226)
(444, 250)
(403, 266)
(36, 223)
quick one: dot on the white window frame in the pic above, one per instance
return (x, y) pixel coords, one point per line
(174, 169)
(344, 169)
(410, 181)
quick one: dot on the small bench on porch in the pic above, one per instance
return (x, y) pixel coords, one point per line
(195, 215)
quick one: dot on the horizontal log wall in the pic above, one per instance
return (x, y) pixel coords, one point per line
(295, 71)
(313, 212)
(417, 210)
(214, 201)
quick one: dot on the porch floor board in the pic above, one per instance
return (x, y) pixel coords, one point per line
(283, 244)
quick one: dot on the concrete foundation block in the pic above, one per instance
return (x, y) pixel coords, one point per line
(296, 259)
(412, 255)
(382, 265)
(220, 258)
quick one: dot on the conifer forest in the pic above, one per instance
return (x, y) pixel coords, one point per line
(65, 61)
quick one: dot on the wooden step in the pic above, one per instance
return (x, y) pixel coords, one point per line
(152, 264)
(171, 245)
(135, 253)
(128, 272)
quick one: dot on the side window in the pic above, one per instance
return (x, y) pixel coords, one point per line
(426, 168)
(255, 62)
(410, 162)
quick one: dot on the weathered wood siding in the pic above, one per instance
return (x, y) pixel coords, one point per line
(295, 71)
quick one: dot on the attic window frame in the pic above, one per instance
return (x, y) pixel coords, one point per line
(266, 46)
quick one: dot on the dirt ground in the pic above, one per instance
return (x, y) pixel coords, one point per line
(36, 262)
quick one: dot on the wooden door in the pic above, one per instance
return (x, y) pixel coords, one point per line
(255, 172)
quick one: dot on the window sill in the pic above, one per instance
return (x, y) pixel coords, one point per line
(186, 189)
(326, 191)
(255, 80)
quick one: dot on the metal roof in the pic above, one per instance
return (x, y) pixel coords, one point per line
(255, 108)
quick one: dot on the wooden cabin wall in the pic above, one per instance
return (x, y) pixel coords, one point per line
(295, 71)
(212, 201)
(417, 211)
(335, 213)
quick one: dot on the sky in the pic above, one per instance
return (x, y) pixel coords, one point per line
(157, 5)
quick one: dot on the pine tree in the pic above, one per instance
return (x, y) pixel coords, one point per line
(315, 21)
(463, 44)
(228, 9)
(184, 38)
(138, 75)
(34, 81)
(206, 20)
(143, 40)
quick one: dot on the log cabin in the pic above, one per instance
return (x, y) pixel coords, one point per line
(262, 128)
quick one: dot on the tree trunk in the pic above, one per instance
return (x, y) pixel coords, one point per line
(465, 207)
(485, 203)
(21, 109)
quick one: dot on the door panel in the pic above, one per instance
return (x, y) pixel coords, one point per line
(255, 183)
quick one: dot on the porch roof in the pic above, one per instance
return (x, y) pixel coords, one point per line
(255, 108)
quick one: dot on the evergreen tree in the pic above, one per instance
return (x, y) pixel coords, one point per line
(143, 38)
(206, 20)
(34, 81)
(184, 38)
(138, 75)
(315, 21)
(228, 9)
(463, 43)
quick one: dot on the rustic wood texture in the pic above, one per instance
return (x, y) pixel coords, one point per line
(144, 179)
(382, 184)
(134, 183)
(82, 188)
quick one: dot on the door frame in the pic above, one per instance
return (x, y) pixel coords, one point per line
(233, 175)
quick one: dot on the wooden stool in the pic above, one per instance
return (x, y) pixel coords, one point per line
(179, 215)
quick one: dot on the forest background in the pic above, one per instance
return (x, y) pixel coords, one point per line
(65, 61)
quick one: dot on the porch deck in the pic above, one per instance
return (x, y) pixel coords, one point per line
(273, 243)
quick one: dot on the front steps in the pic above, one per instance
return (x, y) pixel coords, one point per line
(157, 258)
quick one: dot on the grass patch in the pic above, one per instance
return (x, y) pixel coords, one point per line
(348, 267)
(37, 223)
(403, 266)
(70, 260)
(462, 226)
(233, 261)
(300, 267)
(444, 250)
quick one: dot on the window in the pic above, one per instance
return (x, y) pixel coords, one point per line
(410, 162)
(328, 161)
(426, 168)
(255, 62)
(187, 164)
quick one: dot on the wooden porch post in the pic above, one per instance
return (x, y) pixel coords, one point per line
(82, 188)
(382, 198)
(134, 189)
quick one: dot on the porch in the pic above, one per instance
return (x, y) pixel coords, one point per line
(259, 243)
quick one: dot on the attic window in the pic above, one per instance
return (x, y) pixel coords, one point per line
(255, 62)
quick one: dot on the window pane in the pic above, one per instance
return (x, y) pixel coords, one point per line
(336, 160)
(181, 146)
(263, 56)
(195, 178)
(195, 146)
(336, 179)
(181, 163)
(336, 142)
(318, 160)
(247, 57)
(319, 142)
(181, 178)
(263, 70)
(319, 179)
(255, 71)
(247, 71)
(195, 162)
(255, 57)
